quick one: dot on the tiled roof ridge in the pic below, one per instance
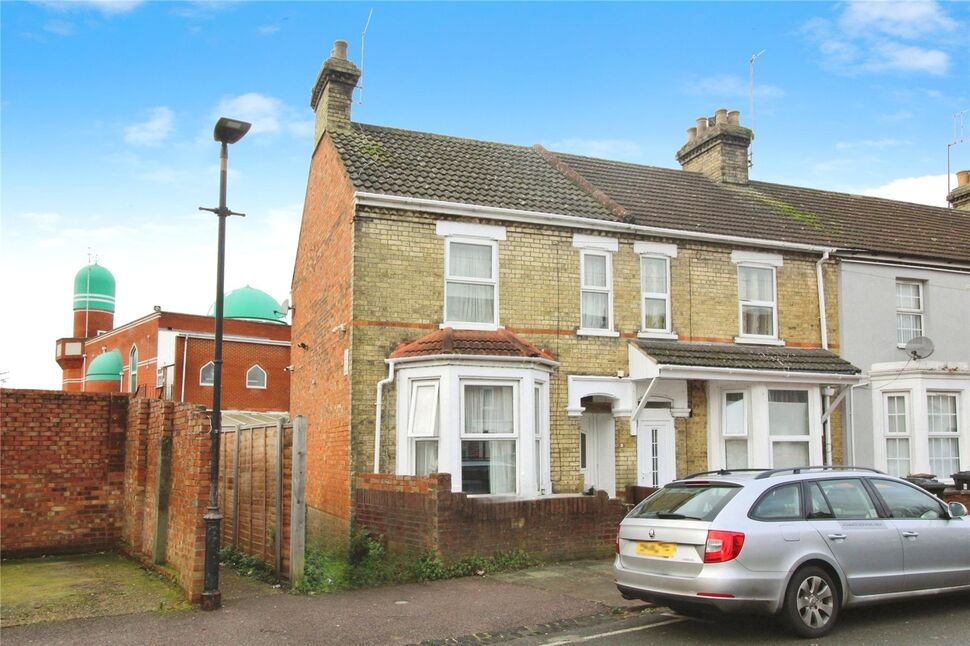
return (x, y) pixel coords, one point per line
(533, 349)
(436, 135)
(577, 178)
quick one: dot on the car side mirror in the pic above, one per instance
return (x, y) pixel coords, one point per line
(957, 510)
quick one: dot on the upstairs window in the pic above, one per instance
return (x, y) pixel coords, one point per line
(655, 293)
(256, 377)
(909, 310)
(596, 291)
(207, 374)
(757, 303)
(471, 283)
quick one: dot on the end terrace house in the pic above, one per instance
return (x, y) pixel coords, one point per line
(537, 324)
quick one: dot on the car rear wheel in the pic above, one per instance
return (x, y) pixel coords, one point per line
(811, 603)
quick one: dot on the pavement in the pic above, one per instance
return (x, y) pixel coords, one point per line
(545, 600)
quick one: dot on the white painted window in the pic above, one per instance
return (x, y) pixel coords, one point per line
(471, 283)
(423, 426)
(596, 291)
(256, 377)
(160, 377)
(898, 447)
(735, 430)
(133, 369)
(207, 374)
(909, 310)
(757, 303)
(788, 428)
(488, 438)
(943, 433)
(538, 424)
(655, 294)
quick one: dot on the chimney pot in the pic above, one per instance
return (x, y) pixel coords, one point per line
(720, 116)
(339, 50)
(701, 126)
(718, 151)
(691, 134)
(963, 177)
(734, 118)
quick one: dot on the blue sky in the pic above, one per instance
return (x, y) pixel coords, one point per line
(107, 111)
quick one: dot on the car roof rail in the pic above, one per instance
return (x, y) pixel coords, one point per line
(721, 472)
(830, 467)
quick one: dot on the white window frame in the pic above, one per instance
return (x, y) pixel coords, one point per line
(948, 436)
(773, 304)
(745, 435)
(540, 416)
(918, 312)
(133, 369)
(256, 366)
(805, 439)
(493, 282)
(664, 332)
(907, 421)
(608, 290)
(204, 366)
(485, 437)
(435, 436)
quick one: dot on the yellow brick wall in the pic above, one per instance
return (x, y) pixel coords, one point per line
(398, 296)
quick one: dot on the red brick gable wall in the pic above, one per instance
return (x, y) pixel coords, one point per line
(320, 391)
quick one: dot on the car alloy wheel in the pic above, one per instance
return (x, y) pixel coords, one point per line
(811, 603)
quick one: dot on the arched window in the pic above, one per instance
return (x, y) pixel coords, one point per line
(256, 377)
(207, 375)
(133, 369)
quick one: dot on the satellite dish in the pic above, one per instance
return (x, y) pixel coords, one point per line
(284, 308)
(919, 347)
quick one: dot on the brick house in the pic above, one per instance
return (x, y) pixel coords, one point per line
(536, 323)
(168, 355)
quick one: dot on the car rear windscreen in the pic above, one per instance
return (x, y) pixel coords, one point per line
(691, 501)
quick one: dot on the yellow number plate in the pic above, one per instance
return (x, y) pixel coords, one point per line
(653, 548)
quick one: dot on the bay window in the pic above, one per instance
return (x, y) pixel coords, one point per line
(423, 426)
(735, 431)
(944, 434)
(788, 428)
(488, 465)
(898, 456)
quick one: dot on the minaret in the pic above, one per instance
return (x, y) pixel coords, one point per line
(94, 313)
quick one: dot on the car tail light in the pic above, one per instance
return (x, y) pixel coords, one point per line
(617, 543)
(722, 546)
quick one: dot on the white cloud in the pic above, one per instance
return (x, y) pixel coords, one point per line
(870, 143)
(730, 86)
(898, 19)
(106, 7)
(607, 148)
(928, 189)
(268, 30)
(59, 27)
(867, 37)
(268, 114)
(899, 115)
(153, 131)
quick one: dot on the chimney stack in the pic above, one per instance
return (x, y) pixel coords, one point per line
(718, 148)
(332, 94)
(959, 198)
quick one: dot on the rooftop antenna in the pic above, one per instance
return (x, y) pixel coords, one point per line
(959, 137)
(751, 62)
(363, 38)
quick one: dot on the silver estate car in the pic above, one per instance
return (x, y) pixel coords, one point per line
(801, 543)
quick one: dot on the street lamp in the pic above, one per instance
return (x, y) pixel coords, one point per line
(227, 131)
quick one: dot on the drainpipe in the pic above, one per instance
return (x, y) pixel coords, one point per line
(824, 325)
(185, 358)
(377, 417)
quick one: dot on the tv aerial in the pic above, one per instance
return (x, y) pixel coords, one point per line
(919, 347)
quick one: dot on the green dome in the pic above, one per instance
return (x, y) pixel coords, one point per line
(94, 289)
(105, 367)
(250, 303)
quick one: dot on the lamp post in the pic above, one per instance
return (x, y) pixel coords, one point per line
(227, 131)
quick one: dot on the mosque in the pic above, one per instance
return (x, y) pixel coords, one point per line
(168, 355)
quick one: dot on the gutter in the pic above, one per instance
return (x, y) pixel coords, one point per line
(473, 357)
(377, 416)
(363, 198)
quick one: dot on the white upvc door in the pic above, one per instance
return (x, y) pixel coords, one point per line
(597, 452)
(656, 452)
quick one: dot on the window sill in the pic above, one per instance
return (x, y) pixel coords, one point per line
(482, 327)
(594, 332)
(754, 340)
(668, 336)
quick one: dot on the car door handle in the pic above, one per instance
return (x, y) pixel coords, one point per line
(837, 537)
(910, 534)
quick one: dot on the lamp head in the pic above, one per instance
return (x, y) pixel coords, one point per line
(229, 131)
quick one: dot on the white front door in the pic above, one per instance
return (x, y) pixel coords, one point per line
(656, 452)
(596, 452)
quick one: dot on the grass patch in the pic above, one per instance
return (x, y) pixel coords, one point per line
(367, 564)
(246, 565)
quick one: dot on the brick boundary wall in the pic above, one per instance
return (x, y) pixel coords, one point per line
(81, 473)
(421, 514)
